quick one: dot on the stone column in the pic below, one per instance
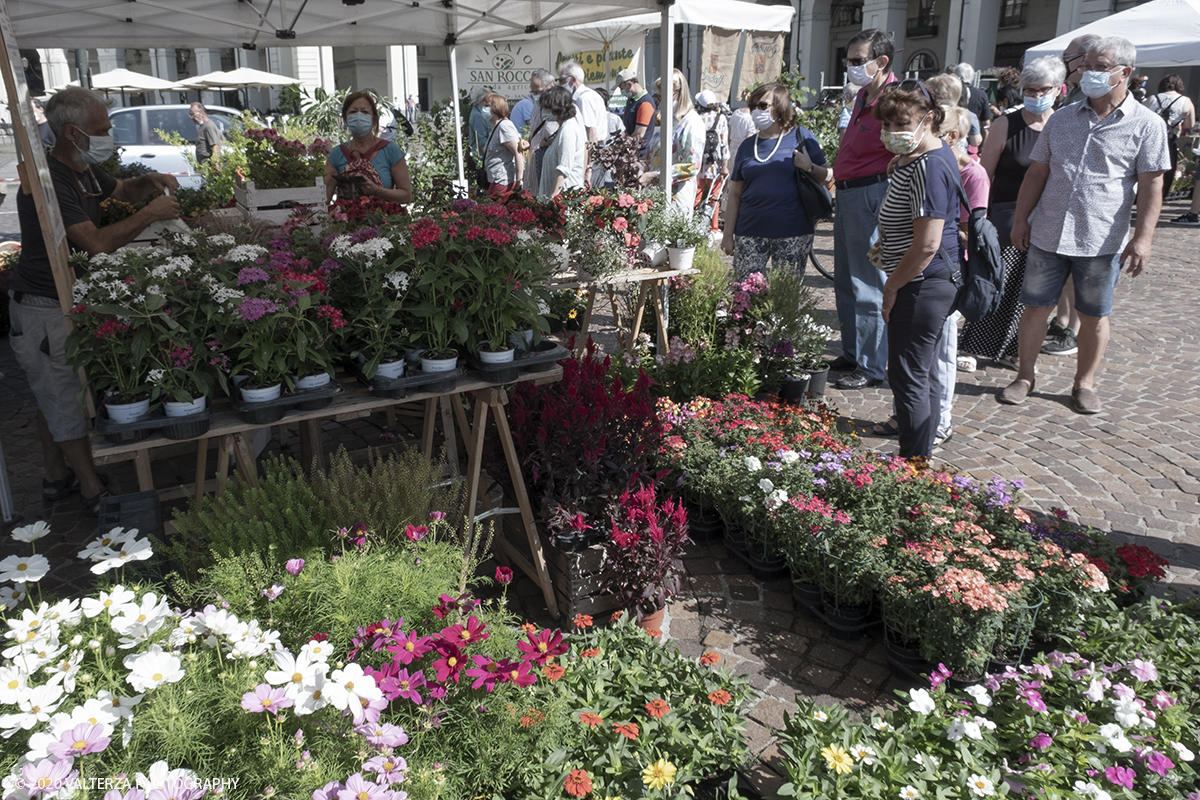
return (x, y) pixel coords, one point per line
(971, 30)
(814, 42)
(401, 74)
(891, 16)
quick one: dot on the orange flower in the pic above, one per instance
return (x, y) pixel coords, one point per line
(526, 722)
(583, 621)
(653, 633)
(627, 729)
(590, 719)
(658, 708)
(591, 652)
(554, 671)
(720, 697)
(578, 783)
(616, 615)
(529, 627)
(710, 658)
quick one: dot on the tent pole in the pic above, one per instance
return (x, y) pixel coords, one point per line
(461, 184)
(666, 129)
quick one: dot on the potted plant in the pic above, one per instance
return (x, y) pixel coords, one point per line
(565, 308)
(182, 377)
(680, 232)
(644, 554)
(606, 228)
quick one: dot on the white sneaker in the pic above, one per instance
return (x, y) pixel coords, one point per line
(966, 364)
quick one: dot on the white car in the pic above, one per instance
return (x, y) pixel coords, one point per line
(133, 131)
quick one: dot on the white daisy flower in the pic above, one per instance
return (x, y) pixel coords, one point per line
(980, 786)
(909, 793)
(31, 532)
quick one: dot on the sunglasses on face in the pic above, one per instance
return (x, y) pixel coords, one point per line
(763, 106)
(856, 62)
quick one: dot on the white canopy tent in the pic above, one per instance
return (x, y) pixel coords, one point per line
(1166, 33)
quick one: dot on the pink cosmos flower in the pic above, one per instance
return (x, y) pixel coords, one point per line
(519, 673)
(266, 698)
(1041, 741)
(542, 646)
(465, 635)
(485, 672)
(504, 575)
(437, 516)
(358, 788)
(409, 646)
(48, 776)
(1157, 762)
(416, 533)
(81, 740)
(274, 592)
(383, 734)
(451, 663)
(294, 565)
(389, 769)
(327, 792)
(1121, 776)
(132, 794)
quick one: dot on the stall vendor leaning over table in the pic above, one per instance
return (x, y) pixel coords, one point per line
(80, 122)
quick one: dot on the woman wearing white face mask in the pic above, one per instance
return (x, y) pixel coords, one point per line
(378, 164)
(1005, 156)
(918, 222)
(764, 218)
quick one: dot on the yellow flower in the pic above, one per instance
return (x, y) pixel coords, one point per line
(838, 759)
(659, 774)
(572, 314)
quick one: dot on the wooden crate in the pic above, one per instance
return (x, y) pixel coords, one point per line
(267, 203)
(575, 576)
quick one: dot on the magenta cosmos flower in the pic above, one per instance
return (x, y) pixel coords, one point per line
(485, 672)
(542, 646)
(265, 698)
(48, 776)
(504, 575)
(294, 565)
(450, 664)
(465, 635)
(409, 646)
(84, 739)
(520, 673)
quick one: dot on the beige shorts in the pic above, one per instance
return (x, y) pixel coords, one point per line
(38, 339)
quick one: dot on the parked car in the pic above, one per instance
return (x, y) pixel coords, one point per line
(133, 129)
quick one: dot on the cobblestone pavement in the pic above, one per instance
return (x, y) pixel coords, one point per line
(1133, 470)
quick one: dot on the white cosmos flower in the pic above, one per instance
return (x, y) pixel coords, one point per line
(350, 688)
(31, 532)
(909, 793)
(13, 683)
(36, 705)
(152, 669)
(128, 550)
(189, 630)
(293, 672)
(159, 774)
(316, 651)
(121, 707)
(31, 624)
(116, 602)
(65, 612)
(11, 596)
(94, 712)
(312, 694)
(981, 786)
(145, 616)
(24, 569)
(921, 701)
(101, 547)
(64, 670)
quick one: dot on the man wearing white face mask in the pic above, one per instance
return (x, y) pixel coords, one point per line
(81, 126)
(861, 175)
(1088, 164)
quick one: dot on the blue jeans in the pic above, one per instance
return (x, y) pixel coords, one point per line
(1095, 279)
(858, 286)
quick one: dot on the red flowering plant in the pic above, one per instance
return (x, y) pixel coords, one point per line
(366, 210)
(584, 439)
(643, 560)
(275, 162)
(606, 228)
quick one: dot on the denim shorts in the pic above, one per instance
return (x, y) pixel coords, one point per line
(1095, 278)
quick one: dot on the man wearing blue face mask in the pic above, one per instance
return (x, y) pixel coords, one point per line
(1086, 168)
(82, 129)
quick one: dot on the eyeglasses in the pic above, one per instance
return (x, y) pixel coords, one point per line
(1099, 67)
(564, 78)
(909, 85)
(1074, 57)
(856, 62)
(1038, 91)
(763, 106)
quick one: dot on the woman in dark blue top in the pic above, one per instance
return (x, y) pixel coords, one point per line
(764, 219)
(918, 219)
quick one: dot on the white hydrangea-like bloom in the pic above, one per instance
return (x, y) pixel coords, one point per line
(340, 245)
(221, 240)
(372, 248)
(753, 464)
(245, 252)
(397, 281)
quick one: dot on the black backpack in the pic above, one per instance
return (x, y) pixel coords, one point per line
(711, 142)
(980, 277)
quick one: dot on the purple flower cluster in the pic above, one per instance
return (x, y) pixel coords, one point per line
(253, 309)
(252, 275)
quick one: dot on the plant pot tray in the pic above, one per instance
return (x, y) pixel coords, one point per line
(271, 411)
(141, 511)
(542, 358)
(188, 427)
(397, 388)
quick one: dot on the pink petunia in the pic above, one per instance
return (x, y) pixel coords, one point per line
(266, 698)
(84, 739)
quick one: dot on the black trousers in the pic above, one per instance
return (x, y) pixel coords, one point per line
(1169, 175)
(914, 335)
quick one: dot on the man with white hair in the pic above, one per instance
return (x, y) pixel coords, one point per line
(83, 139)
(1086, 168)
(973, 99)
(593, 112)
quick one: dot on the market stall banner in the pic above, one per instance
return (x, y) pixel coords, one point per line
(719, 57)
(506, 67)
(763, 57)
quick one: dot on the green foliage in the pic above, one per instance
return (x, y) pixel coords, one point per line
(823, 123)
(696, 298)
(253, 531)
(322, 112)
(432, 159)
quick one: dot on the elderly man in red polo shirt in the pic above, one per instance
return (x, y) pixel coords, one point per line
(860, 173)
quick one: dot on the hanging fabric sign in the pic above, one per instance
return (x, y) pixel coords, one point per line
(718, 59)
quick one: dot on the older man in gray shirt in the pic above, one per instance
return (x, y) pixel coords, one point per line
(1087, 166)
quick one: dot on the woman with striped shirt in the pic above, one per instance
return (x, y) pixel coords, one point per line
(918, 221)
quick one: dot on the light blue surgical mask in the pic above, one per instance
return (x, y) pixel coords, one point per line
(1094, 84)
(359, 124)
(486, 111)
(1039, 105)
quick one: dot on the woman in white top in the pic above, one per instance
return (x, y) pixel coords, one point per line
(687, 147)
(501, 155)
(1180, 115)
(563, 165)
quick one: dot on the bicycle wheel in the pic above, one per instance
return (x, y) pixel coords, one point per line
(812, 256)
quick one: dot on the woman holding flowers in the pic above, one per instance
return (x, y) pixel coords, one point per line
(378, 164)
(764, 218)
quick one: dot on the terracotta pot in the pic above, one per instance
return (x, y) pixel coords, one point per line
(651, 622)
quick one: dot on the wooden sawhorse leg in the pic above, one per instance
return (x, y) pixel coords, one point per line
(145, 475)
(493, 401)
(427, 428)
(656, 294)
(636, 328)
(201, 467)
(585, 326)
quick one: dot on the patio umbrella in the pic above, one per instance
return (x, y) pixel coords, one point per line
(243, 77)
